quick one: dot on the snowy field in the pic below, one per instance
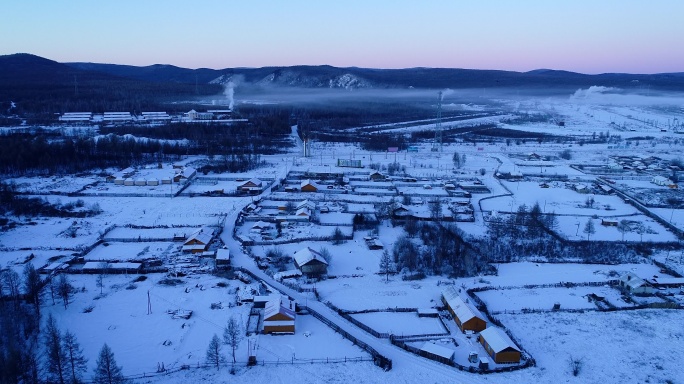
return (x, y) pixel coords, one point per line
(544, 299)
(132, 251)
(400, 323)
(149, 233)
(642, 346)
(140, 340)
(627, 346)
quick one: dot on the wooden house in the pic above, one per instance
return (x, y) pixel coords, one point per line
(310, 262)
(376, 176)
(309, 186)
(279, 316)
(184, 174)
(199, 241)
(253, 186)
(467, 317)
(499, 346)
(400, 211)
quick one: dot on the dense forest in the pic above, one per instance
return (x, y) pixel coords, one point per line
(48, 151)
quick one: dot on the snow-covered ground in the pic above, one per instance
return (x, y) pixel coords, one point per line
(615, 347)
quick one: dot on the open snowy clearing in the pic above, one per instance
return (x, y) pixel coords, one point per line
(544, 299)
(400, 323)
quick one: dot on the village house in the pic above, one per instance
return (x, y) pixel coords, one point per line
(400, 211)
(499, 346)
(185, 174)
(251, 186)
(310, 262)
(467, 317)
(635, 284)
(199, 241)
(307, 204)
(376, 176)
(279, 315)
(309, 186)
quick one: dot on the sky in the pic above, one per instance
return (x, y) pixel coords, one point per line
(587, 36)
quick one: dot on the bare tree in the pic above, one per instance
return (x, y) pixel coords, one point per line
(232, 335)
(386, 264)
(77, 364)
(589, 228)
(623, 226)
(436, 209)
(214, 356)
(104, 268)
(56, 358)
(10, 278)
(64, 289)
(32, 285)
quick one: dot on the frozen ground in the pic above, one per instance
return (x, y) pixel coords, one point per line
(629, 346)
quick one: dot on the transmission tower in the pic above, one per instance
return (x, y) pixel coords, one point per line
(437, 145)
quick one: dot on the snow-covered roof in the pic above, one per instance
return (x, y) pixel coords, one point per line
(261, 224)
(306, 204)
(223, 254)
(309, 182)
(281, 305)
(256, 182)
(306, 255)
(304, 211)
(99, 265)
(464, 311)
(202, 236)
(437, 350)
(498, 340)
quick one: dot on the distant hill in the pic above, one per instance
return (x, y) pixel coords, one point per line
(39, 85)
(333, 77)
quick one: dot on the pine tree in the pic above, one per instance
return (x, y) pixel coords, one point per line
(55, 364)
(106, 371)
(76, 362)
(214, 356)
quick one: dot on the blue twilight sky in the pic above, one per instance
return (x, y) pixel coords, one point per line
(588, 36)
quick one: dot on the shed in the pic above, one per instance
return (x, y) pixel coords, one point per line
(433, 350)
(222, 258)
(499, 346)
(467, 317)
